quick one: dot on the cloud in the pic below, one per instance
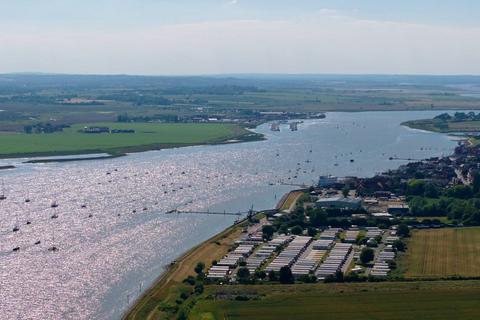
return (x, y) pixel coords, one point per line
(232, 2)
(320, 43)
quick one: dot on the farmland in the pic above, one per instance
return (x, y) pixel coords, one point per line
(443, 253)
(147, 136)
(415, 300)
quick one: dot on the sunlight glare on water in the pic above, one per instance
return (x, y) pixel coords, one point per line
(112, 233)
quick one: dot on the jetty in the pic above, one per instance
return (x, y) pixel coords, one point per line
(208, 212)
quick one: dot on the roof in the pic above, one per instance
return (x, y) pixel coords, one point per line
(339, 199)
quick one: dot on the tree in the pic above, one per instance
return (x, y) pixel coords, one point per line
(415, 188)
(318, 218)
(403, 230)
(199, 267)
(399, 245)
(460, 191)
(243, 273)
(267, 232)
(311, 231)
(431, 191)
(286, 276)
(297, 230)
(476, 182)
(367, 255)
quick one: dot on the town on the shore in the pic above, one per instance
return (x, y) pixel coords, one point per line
(352, 229)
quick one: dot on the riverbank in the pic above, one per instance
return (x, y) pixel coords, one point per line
(147, 136)
(168, 285)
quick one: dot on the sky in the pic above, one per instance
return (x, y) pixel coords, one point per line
(199, 37)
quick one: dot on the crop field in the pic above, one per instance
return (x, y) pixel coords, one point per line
(443, 253)
(147, 136)
(413, 300)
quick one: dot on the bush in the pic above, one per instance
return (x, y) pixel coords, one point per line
(189, 280)
(182, 315)
(199, 288)
(308, 278)
(260, 274)
(272, 276)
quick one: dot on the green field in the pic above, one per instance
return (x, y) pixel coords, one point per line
(147, 136)
(445, 127)
(390, 300)
(442, 253)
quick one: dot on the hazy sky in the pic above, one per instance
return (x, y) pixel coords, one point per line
(240, 36)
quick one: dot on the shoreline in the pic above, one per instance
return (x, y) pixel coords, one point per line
(161, 283)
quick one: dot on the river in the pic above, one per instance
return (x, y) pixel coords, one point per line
(107, 254)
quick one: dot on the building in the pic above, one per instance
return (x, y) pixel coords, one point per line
(326, 181)
(96, 130)
(381, 215)
(339, 203)
(398, 209)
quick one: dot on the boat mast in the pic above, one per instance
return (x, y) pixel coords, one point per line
(2, 195)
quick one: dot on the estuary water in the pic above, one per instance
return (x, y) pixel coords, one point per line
(111, 228)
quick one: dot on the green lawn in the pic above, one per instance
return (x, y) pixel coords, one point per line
(413, 300)
(147, 136)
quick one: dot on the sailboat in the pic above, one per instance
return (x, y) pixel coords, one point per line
(2, 195)
(16, 228)
(53, 248)
(55, 215)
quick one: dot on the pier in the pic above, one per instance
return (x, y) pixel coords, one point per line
(208, 212)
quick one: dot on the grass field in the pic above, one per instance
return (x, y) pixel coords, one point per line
(147, 136)
(442, 253)
(390, 300)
